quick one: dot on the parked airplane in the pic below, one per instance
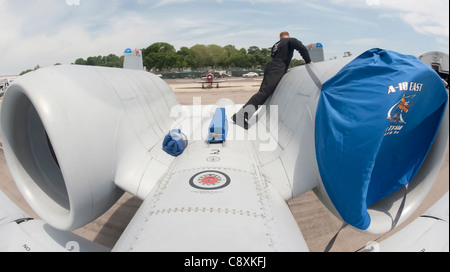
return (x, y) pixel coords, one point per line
(326, 129)
(209, 81)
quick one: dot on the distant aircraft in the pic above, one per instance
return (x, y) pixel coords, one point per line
(209, 81)
(76, 144)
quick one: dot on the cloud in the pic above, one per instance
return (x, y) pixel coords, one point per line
(429, 17)
(48, 31)
(70, 32)
(70, 39)
(321, 8)
(252, 2)
(364, 41)
(428, 21)
(171, 2)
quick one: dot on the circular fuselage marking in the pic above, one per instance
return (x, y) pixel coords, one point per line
(210, 180)
(213, 159)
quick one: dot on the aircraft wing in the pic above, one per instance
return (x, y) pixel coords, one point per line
(428, 233)
(20, 233)
(9, 211)
(215, 198)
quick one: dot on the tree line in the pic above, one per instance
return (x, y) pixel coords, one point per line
(107, 61)
(163, 56)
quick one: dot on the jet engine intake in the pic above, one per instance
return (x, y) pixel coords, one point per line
(66, 130)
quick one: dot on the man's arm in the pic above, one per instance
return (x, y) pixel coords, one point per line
(298, 45)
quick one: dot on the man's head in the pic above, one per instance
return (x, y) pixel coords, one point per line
(284, 35)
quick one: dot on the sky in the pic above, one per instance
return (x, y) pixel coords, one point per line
(45, 32)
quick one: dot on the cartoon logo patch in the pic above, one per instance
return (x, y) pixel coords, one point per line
(397, 113)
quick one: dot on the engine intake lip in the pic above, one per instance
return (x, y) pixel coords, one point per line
(26, 140)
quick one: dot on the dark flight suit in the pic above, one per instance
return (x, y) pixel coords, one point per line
(282, 53)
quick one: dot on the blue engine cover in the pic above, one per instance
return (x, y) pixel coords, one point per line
(376, 121)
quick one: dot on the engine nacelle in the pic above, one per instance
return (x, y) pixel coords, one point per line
(70, 131)
(331, 160)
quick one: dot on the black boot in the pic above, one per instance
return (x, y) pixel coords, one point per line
(241, 120)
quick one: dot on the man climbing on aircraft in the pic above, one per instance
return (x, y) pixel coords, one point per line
(282, 53)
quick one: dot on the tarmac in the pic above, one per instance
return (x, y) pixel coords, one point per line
(316, 223)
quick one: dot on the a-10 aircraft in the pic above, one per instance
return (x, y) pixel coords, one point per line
(76, 138)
